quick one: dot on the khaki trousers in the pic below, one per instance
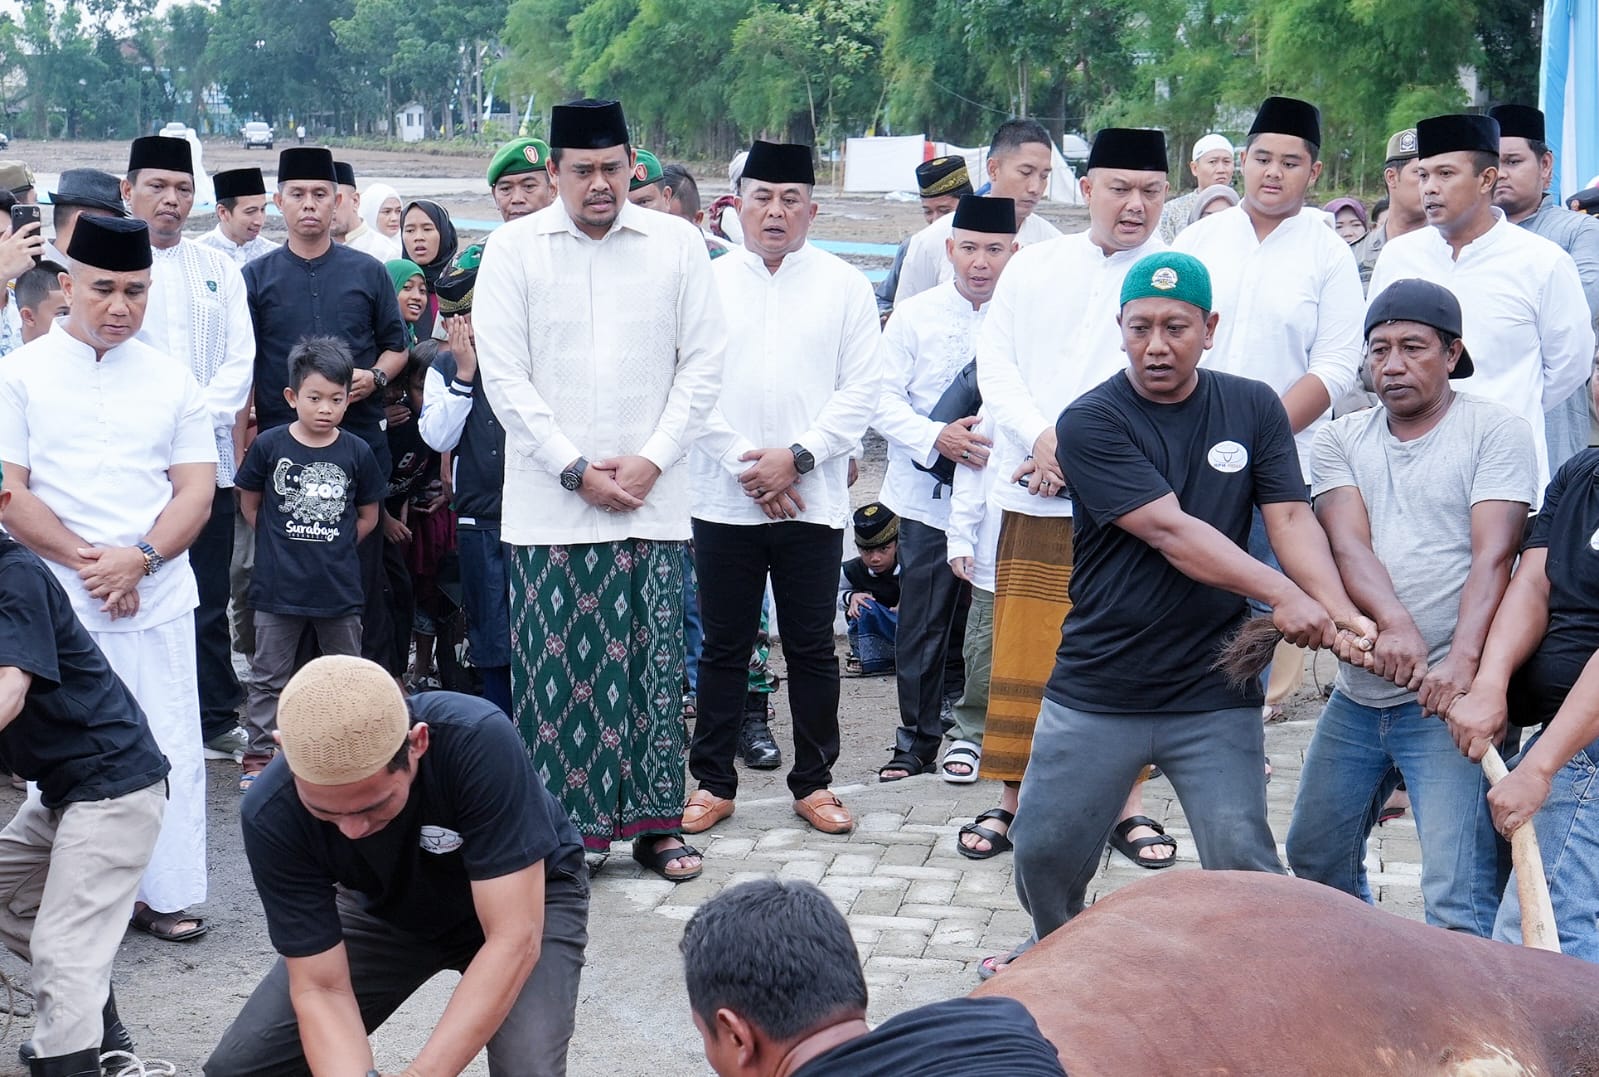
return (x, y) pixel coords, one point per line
(67, 883)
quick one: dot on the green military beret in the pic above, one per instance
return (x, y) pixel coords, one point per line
(646, 170)
(518, 155)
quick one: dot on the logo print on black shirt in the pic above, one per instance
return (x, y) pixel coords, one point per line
(1227, 457)
(315, 498)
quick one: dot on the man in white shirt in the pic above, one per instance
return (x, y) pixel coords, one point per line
(1525, 314)
(925, 346)
(241, 211)
(110, 460)
(1050, 335)
(199, 314)
(1020, 160)
(600, 392)
(771, 482)
(1526, 170)
(348, 227)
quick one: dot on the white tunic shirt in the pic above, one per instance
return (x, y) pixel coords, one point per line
(801, 369)
(925, 344)
(370, 241)
(1290, 306)
(973, 529)
(237, 253)
(927, 260)
(596, 348)
(1525, 320)
(1049, 336)
(199, 314)
(98, 438)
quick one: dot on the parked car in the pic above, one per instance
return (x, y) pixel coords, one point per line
(257, 133)
(177, 128)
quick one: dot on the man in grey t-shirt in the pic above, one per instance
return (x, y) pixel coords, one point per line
(1424, 501)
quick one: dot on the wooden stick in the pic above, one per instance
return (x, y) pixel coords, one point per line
(1537, 911)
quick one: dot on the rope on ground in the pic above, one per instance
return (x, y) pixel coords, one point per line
(125, 1064)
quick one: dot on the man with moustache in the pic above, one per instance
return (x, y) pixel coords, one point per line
(601, 392)
(1165, 465)
(1525, 314)
(314, 286)
(1526, 168)
(519, 179)
(771, 481)
(1049, 336)
(241, 212)
(1020, 160)
(925, 346)
(199, 314)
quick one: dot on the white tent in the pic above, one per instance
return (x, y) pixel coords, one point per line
(889, 164)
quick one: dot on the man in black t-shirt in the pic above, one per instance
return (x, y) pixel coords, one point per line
(390, 841)
(72, 856)
(1534, 671)
(1165, 464)
(776, 988)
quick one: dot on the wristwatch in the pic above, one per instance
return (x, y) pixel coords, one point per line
(380, 379)
(803, 460)
(572, 477)
(152, 560)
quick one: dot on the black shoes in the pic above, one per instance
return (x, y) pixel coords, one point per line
(755, 744)
(116, 1037)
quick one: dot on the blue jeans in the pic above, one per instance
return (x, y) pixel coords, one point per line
(1353, 763)
(871, 637)
(693, 631)
(1568, 840)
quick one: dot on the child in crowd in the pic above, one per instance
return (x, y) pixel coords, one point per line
(40, 300)
(418, 526)
(868, 591)
(311, 492)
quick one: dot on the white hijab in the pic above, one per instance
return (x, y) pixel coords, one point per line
(372, 200)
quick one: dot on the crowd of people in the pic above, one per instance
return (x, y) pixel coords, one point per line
(501, 530)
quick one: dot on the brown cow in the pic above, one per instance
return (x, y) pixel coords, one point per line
(1224, 972)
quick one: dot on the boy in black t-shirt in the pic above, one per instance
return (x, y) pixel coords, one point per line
(1165, 464)
(868, 591)
(311, 492)
(389, 841)
(72, 856)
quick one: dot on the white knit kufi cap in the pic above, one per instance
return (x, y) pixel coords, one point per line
(341, 719)
(1210, 144)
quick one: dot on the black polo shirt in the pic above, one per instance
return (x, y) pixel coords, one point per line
(81, 734)
(1567, 527)
(345, 294)
(935, 1041)
(476, 811)
(1141, 637)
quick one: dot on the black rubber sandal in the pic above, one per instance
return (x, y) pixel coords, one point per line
(656, 859)
(1130, 849)
(997, 842)
(907, 762)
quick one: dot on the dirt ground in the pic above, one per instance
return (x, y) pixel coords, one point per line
(178, 999)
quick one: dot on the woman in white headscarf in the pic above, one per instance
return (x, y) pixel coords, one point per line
(380, 209)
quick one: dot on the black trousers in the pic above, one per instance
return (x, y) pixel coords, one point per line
(930, 603)
(211, 558)
(732, 562)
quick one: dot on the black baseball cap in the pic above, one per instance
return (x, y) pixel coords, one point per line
(1416, 300)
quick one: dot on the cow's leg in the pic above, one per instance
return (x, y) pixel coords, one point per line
(1077, 778)
(1216, 763)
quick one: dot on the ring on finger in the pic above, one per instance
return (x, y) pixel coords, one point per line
(965, 455)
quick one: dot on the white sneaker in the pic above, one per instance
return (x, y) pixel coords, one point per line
(229, 745)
